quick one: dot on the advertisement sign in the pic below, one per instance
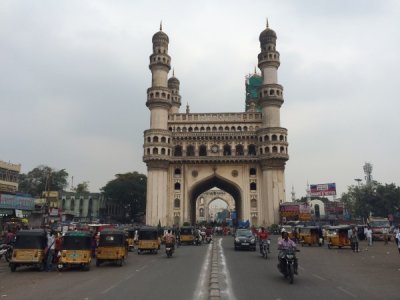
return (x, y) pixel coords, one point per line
(304, 212)
(16, 202)
(289, 210)
(326, 189)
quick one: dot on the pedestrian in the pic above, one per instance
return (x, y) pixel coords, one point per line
(395, 232)
(385, 235)
(50, 250)
(354, 240)
(398, 240)
(369, 236)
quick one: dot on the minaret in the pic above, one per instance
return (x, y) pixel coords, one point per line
(273, 145)
(173, 85)
(157, 139)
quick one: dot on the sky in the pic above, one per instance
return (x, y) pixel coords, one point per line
(74, 75)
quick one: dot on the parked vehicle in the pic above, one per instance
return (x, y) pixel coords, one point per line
(132, 238)
(339, 236)
(379, 226)
(76, 250)
(112, 247)
(311, 235)
(29, 249)
(244, 239)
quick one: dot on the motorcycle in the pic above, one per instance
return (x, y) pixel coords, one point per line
(288, 263)
(197, 240)
(265, 248)
(169, 249)
(6, 251)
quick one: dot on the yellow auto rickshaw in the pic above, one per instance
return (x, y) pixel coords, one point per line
(148, 240)
(338, 236)
(112, 247)
(187, 235)
(132, 238)
(29, 249)
(311, 235)
(76, 250)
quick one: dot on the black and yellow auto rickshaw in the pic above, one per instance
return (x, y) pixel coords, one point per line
(338, 236)
(187, 235)
(148, 240)
(311, 235)
(132, 238)
(29, 249)
(112, 247)
(76, 250)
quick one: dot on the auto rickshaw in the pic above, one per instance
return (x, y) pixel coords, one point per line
(311, 235)
(187, 235)
(338, 236)
(76, 250)
(148, 240)
(112, 247)
(29, 249)
(132, 238)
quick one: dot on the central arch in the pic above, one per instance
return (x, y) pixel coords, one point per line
(209, 183)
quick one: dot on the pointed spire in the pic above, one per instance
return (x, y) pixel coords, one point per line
(255, 69)
(173, 72)
(267, 23)
(187, 108)
(161, 25)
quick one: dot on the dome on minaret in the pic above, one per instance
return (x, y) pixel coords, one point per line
(161, 35)
(173, 82)
(267, 36)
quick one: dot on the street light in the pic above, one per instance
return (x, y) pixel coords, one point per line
(358, 181)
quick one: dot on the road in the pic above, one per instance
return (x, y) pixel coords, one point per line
(216, 271)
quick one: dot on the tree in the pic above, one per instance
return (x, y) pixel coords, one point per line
(376, 199)
(42, 178)
(82, 187)
(129, 192)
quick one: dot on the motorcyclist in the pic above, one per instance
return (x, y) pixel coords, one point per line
(169, 239)
(263, 238)
(286, 244)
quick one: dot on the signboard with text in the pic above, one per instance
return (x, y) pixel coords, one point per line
(326, 189)
(16, 202)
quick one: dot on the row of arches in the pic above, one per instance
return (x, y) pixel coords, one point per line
(157, 58)
(273, 149)
(226, 150)
(160, 95)
(212, 129)
(156, 139)
(178, 172)
(273, 138)
(156, 151)
(253, 186)
(270, 92)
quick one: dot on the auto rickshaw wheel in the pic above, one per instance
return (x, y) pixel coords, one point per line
(60, 267)
(86, 267)
(13, 267)
(98, 262)
(42, 266)
(138, 251)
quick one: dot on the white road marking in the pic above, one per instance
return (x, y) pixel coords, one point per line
(346, 292)
(201, 291)
(319, 277)
(141, 268)
(228, 292)
(109, 289)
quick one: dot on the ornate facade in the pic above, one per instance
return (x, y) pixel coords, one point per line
(187, 154)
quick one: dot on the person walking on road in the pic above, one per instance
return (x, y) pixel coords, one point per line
(398, 239)
(50, 251)
(354, 240)
(369, 236)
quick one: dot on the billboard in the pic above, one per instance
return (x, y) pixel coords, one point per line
(289, 211)
(326, 189)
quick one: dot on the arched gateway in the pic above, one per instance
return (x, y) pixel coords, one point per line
(187, 154)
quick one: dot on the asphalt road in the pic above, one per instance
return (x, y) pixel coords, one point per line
(323, 274)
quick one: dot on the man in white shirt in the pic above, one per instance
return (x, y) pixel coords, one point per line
(369, 236)
(51, 241)
(398, 239)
